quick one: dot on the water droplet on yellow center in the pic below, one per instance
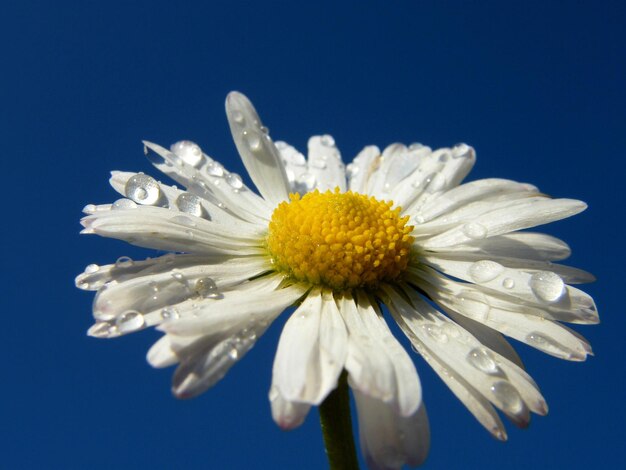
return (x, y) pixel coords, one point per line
(341, 240)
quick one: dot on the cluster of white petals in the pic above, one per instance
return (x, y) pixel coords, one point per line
(473, 277)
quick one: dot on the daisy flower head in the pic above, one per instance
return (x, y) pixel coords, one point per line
(393, 236)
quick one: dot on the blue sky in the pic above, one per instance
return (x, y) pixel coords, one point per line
(536, 87)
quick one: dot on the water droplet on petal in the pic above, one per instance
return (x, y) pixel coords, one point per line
(319, 164)
(328, 141)
(451, 330)
(547, 286)
(306, 182)
(444, 157)
(550, 346)
(169, 313)
(234, 181)
(130, 321)
(415, 146)
(436, 183)
(482, 360)
(122, 204)
(507, 397)
(92, 268)
(183, 220)
(508, 283)
(461, 151)
(180, 277)
(90, 209)
(206, 287)
(474, 305)
(124, 262)
(485, 270)
(102, 329)
(215, 169)
(475, 230)
(233, 354)
(252, 140)
(352, 170)
(191, 204)
(238, 117)
(437, 333)
(189, 152)
(143, 189)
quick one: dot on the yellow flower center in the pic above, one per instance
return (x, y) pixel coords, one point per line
(341, 240)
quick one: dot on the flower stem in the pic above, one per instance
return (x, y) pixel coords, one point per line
(337, 428)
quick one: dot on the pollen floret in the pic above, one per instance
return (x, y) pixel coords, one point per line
(341, 240)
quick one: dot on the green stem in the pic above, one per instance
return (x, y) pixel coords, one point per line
(337, 428)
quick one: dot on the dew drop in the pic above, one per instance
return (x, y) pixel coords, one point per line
(180, 277)
(474, 305)
(233, 353)
(169, 313)
(485, 270)
(143, 189)
(102, 329)
(92, 268)
(306, 181)
(215, 169)
(90, 209)
(252, 140)
(436, 183)
(550, 346)
(328, 141)
(481, 359)
(130, 321)
(508, 283)
(507, 397)
(191, 204)
(415, 146)
(273, 394)
(352, 170)
(124, 262)
(451, 330)
(183, 220)
(461, 151)
(122, 204)
(437, 333)
(444, 157)
(189, 152)
(547, 286)
(475, 231)
(206, 287)
(238, 117)
(234, 181)
(319, 164)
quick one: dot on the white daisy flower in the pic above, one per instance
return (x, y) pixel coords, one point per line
(394, 228)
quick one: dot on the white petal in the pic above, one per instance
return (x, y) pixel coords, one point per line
(258, 153)
(463, 266)
(389, 441)
(438, 172)
(514, 319)
(377, 364)
(470, 192)
(311, 352)
(213, 183)
(252, 301)
(518, 215)
(186, 277)
(489, 337)
(287, 414)
(211, 360)
(523, 245)
(295, 167)
(163, 229)
(96, 276)
(497, 379)
(186, 203)
(362, 168)
(325, 164)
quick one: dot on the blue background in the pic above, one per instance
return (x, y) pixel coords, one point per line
(536, 87)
